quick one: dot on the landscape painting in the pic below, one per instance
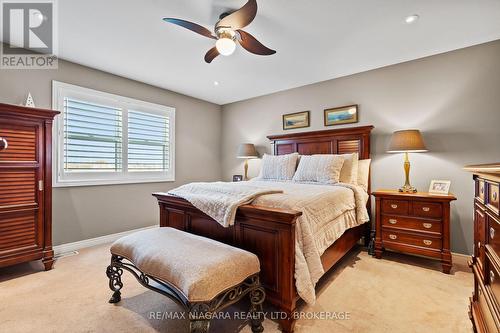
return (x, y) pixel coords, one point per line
(341, 115)
(296, 120)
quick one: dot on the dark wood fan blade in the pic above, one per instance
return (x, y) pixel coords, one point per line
(211, 54)
(252, 45)
(240, 18)
(190, 26)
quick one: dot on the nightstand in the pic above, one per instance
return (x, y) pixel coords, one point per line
(414, 223)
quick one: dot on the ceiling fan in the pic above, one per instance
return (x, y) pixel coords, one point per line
(228, 31)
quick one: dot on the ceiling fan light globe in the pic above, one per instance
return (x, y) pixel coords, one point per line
(225, 46)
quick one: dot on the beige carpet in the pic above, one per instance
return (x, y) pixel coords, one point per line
(396, 294)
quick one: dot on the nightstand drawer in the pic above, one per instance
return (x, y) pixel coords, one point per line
(427, 209)
(411, 239)
(398, 207)
(411, 223)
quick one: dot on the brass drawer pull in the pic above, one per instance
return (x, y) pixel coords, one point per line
(393, 237)
(427, 242)
(426, 209)
(394, 206)
(492, 233)
(3, 143)
(492, 277)
(495, 195)
(482, 189)
(478, 245)
(393, 221)
(427, 225)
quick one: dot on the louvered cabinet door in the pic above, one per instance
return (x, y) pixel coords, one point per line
(21, 187)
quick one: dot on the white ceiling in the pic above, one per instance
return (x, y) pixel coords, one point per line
(315, 40)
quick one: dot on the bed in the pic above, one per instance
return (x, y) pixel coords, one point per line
(270, 232)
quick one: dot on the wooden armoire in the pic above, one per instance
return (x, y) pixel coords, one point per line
(25, 185)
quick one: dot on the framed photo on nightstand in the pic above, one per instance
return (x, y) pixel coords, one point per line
(237, 178)
(440, 187)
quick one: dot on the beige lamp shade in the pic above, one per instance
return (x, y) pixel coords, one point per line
(407, 141)
(247, 150)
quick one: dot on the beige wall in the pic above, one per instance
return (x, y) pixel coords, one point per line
(87, 212)
(454, 98)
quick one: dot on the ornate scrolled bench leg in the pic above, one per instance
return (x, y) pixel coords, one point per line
(257, 297)
(199, 318)
(114, 273)
(199, 326)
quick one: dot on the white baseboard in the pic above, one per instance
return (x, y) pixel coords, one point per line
(69, 247)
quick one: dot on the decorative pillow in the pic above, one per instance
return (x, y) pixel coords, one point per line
(349, 172)
(323, 169)
(364, 173)
(278, 167)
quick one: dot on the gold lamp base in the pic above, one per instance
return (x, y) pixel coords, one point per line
(246, 170)
(407, 188)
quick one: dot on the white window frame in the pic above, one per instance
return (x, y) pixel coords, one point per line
(60, 90)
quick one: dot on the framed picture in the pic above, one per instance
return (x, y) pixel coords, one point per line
(440, 187)
(237, 178)
(296, 120)
(342, 115)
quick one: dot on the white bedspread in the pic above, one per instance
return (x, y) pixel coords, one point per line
(220, 200)
(327, 211)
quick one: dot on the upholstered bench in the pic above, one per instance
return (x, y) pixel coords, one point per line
(202, 275)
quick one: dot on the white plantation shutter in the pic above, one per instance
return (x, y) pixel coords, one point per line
(108, 139)
(92, 137)
(148, 142)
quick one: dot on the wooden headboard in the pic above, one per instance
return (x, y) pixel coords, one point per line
(336, 141)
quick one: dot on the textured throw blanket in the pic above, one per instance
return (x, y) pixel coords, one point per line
(220, 200)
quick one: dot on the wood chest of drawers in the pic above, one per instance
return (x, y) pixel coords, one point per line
(25, 185)
(485, 263)
(415, 223)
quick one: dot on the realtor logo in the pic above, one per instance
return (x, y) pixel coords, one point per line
(28, 35)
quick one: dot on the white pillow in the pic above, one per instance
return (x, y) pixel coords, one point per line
(349, 172)
(364, 173)
(278, 167)
(323, 169)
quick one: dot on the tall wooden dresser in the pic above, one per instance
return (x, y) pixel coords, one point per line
(25, 185)
(485, 263)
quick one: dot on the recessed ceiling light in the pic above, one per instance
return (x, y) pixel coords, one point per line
(412, 18)
(216, 83)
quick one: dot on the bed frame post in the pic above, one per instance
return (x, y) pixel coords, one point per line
(287, 320)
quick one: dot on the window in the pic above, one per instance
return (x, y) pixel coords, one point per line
(100, 138)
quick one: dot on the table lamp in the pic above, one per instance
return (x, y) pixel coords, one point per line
(247, 151)
(407, 141)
